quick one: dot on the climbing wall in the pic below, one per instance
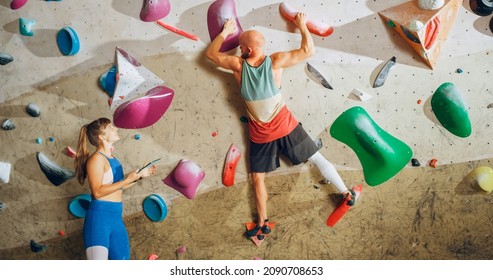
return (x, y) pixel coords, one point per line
(204, 118)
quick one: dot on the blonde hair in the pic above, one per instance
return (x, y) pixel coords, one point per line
(89, 132)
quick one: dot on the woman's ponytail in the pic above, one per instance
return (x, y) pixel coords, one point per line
(81, 156)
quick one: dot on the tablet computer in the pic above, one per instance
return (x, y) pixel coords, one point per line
(149, 164)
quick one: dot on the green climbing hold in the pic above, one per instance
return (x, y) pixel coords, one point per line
(381, 155)
(449, 108)
(391, 23)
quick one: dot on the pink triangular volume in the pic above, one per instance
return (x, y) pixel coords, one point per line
(144, 111)
(217, 14)
(185, 178)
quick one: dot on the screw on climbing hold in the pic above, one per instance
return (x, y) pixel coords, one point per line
(137, 136)
(419, 101)
(415, 162)
(214, 134)
(459, 70)
(36, 247)
(181, 249)
(39, 140)
(52, 139)
(152, 257)
(243, 119)
(61, 232)
(433, 163)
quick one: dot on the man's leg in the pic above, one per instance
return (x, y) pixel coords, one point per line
(260, 196)
(260, 190)
(329, 172)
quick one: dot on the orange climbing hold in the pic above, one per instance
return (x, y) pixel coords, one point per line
(433, 163)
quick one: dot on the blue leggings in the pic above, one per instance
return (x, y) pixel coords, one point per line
(103, 226)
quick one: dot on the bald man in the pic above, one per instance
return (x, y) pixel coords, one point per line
(272, 127)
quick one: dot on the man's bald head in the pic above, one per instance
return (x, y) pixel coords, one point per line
(252, 39)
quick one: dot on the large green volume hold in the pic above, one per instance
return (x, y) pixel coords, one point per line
(381, 155)
(449, 108)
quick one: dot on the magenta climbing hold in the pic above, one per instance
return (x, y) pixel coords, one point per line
(153, 10)
(182, 249)
(144, 111)
(217, 14)
(17, 4)
(185, 178)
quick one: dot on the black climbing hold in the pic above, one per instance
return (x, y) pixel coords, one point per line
(481, 7)
(8, 125)
(33, 110)
(37, 248)
(415, 162)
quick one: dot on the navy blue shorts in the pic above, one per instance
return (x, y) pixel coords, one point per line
(297, 146)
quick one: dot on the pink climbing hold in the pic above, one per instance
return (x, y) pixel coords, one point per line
(153, 10)
(70, 152)
(17, 4)
(181, 249)
(316, 27)
(152, 257)
(185, 178)
(217, 14)
(144, 111)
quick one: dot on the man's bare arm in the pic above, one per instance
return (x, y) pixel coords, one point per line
(306, 49)
(226, 61)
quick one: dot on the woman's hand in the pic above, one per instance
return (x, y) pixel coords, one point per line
(148, 171)
(134, 176)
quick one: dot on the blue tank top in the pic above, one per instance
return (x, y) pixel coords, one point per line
(116, 168)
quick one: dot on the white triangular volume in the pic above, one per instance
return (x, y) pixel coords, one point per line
(133, 79)
(363, 96)
(4, 172)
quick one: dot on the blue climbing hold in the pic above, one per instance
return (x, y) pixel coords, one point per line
(78, 205)
(107, 81)
(155, 208)
(68, 41)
